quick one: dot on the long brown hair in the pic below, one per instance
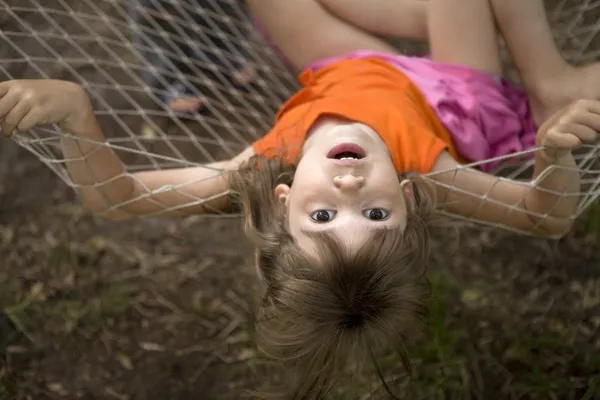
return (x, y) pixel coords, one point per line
(321, 312)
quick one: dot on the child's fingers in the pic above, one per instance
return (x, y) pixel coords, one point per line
(4, 87)
(14, 117)
(29, 121)
(592, 121)
(7, 103)
(584, 131)
(588, 117)
(593, 106)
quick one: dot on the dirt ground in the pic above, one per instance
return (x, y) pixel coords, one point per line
(149, 309)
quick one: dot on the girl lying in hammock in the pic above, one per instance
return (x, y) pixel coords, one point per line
(341, 239)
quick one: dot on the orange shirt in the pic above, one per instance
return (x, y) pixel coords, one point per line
(369, 91)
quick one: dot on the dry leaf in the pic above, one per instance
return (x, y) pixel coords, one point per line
(125, 361)
(151, 346)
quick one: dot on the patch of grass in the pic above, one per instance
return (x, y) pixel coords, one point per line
(72, 294)
(67, 312)
(440, 366)
(8, 293)
(65, 258)
(592, 221)
(8, 389)
(442, 340)
(110, 303)
(548, 369)
(593, 391)
(538, 384)
(528, 349)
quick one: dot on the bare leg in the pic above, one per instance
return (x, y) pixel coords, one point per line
(406, 19)
(305, 32)
(464, 34)
(549, 80)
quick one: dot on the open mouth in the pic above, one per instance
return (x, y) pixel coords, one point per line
(346, 151)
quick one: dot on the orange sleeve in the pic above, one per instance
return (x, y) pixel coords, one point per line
(418, 136)
(286, 139)
(413, 147)
(427, 149)
(280, 144)
(292, 124)
(288, 131)
(266, 145)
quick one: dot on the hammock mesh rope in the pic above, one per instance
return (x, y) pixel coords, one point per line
(130, 56)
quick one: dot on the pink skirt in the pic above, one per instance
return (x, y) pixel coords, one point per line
(486, 116)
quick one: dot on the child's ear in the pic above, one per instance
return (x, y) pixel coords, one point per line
(282, 193)
(408, 189)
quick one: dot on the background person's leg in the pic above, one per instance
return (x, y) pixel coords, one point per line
(222, 41)
(181, 20)
(161, 55)
(148, 41)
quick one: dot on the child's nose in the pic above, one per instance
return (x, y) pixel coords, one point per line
(348, 182)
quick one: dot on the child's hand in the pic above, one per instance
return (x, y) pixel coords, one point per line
(25, 104)
(569, 129)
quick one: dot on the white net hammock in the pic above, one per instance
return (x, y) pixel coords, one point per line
(129, 54)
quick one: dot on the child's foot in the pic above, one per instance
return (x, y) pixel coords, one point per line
(180, 100)
(575, 83)
(185, 104)
(245, 75)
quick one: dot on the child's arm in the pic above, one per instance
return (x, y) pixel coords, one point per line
(96, 171)
(546, 205)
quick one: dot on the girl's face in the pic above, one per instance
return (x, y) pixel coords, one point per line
(345, 184)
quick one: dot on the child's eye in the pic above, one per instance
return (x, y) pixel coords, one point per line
(376, 214)
(323, 215)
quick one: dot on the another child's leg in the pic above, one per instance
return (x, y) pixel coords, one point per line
(464, 34)
(243, 72)
(141, 11)
(549, 80)
(406, 19)
(153, 17)
(305, 32)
